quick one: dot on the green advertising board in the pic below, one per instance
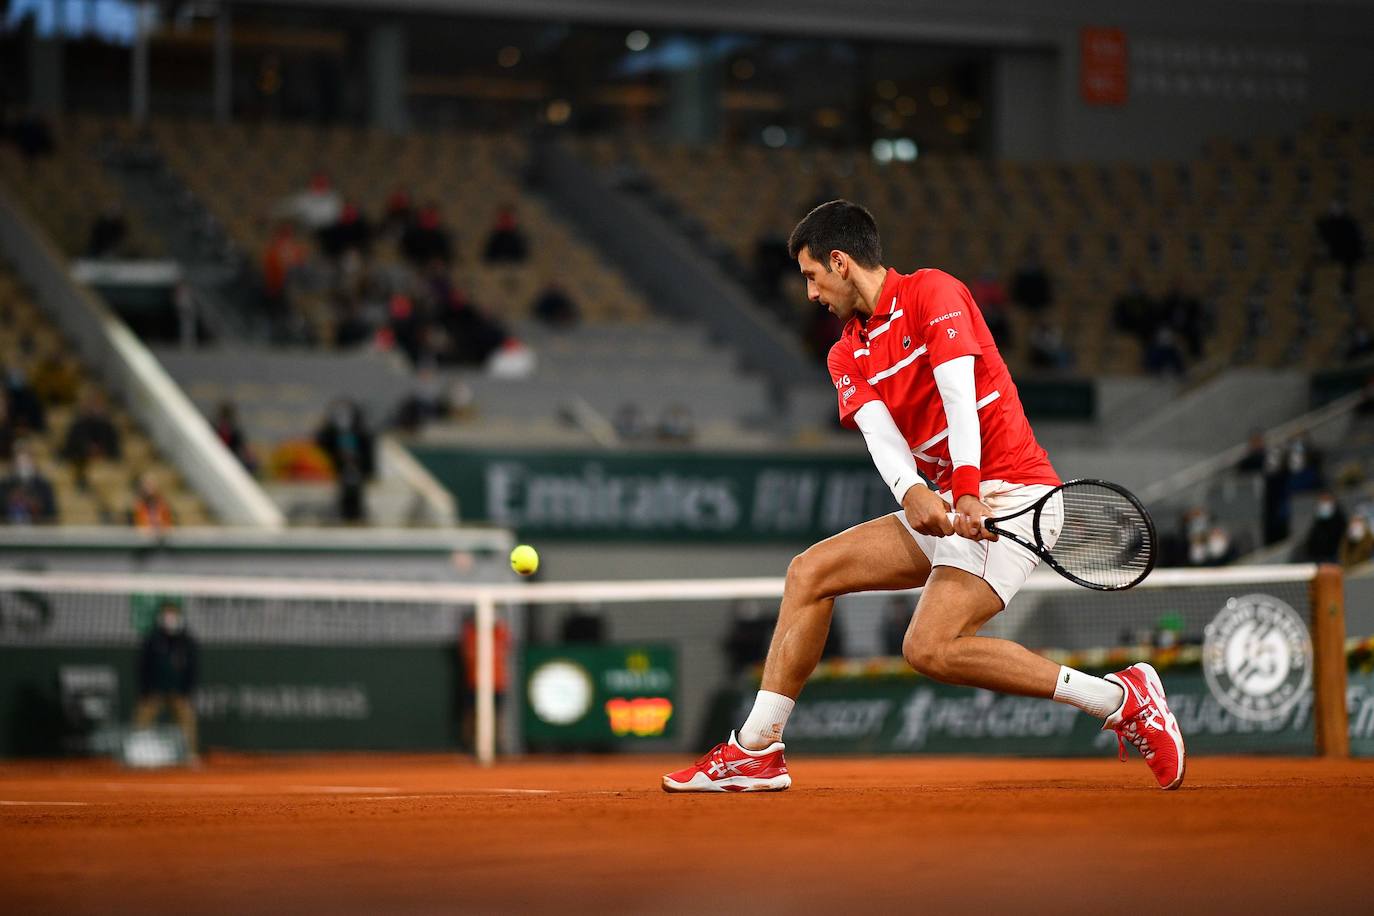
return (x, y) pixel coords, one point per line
(638, 496)
(255, 697)
(599, 696)
(910, 715)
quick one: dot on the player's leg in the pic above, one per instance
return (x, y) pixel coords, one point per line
(941, 641)
(877, 555)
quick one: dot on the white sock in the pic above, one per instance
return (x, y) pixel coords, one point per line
(766, 720)
(1093, 695)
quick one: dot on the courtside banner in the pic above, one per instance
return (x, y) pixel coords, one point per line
(666, 496)
(909, 715)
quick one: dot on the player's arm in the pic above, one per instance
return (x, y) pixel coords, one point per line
(954, 379)
(947, 310)
(924, 508)
(860, 406)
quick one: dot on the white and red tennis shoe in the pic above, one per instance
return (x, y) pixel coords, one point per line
(1145, 721)
(729, 767)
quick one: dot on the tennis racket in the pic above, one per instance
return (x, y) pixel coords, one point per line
(1106, 538)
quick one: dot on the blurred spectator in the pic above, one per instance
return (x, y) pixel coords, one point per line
(500, 638)
(314, 208)
(1276, 505)
(1182, 312)
(285, 255)
(1323, 541)
(1253, 460)
(676, 425)
(473, 333)
(1343, 239)
(352, 505)
(988, 290)
(55, 377)
(405, 325)
(26, 413)
(1357, 544)
(771, 264)
(426, 240)
(168, 673)
(345, 438)
(630, 423)
(150, 511)
(425, 403)
(1304, 466)
(92, 434)
(751, 630)
(1134, 312)
(555, 307)
(344, 435)
(512, 360)
(7, 434)
(507, 243)
(1031, 287)
(353, 328)
(1047, 350)
(27, 494)
(108, 232)
(350, 232)
(1214, 547)
(1163, 357)
(398, 213)
(1359, 342)
(227, 427)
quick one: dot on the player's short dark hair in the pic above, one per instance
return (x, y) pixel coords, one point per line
(839, 225)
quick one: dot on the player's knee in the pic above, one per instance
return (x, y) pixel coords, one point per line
(928, 656)
(804, 575)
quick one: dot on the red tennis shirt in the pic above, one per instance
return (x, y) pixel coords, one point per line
(921, 320)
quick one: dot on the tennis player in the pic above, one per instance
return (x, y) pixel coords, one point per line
(918, 373)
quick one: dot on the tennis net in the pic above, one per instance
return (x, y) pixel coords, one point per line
(1255, 659)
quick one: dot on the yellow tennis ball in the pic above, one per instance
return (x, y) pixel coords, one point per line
(524, 560)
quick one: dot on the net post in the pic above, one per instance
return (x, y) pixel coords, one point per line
(486, 679)
(1329, 676)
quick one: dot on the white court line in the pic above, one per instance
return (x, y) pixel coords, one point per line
(64, 804)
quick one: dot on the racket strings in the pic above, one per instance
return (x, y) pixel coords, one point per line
(1106, 538)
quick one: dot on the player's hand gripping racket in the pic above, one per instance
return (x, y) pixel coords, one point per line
(1106, 538)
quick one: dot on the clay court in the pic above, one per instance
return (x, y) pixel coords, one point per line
(374, 834)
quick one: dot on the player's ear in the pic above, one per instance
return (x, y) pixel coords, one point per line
(839, 263)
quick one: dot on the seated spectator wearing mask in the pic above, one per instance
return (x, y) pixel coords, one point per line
(1357, 546)
(1323, 540)
(27, 496)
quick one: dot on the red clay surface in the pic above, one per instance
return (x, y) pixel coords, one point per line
(375, 834)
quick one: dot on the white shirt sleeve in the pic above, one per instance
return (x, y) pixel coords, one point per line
(955, 381)
(891, 455)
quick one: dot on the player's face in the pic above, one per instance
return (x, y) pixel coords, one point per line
(831, 288)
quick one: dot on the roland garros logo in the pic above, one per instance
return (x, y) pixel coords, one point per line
(1257, 657)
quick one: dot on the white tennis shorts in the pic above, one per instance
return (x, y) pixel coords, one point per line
(1002, 564)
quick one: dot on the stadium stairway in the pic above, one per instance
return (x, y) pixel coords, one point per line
(1222, 411)
(679, 282)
